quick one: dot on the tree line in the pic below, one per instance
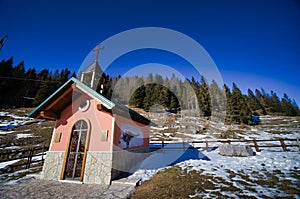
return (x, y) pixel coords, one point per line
(208, 99)
(27, 88)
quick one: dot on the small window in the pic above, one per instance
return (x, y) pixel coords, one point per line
(84, 105)
(57, 137)
(104, 134)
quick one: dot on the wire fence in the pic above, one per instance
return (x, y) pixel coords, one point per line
(284, 143)
(24, 158)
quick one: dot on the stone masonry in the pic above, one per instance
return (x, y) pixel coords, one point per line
(98, 168)
(53, 165)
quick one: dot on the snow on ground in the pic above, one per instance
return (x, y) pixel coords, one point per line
(37, 157)
(263, 135)
(270, 173)
(241, 171)
(4, 164)
(6, 132)
(244, 172)
(23, 135)
(9, 130)
(10, 133)
(158, 128)
(280, 164)
(14, 120)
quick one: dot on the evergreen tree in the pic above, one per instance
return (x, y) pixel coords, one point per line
(173, 102)
(42, 93)
(295, 105)
(164, 97)
(19, 89)
(254, 103)
(275, 104)
(204, 98)
(21, 86)
(263, 100)
(240, 110)
(288, 107)
(6, 84)
(137, 98)
(218, 100)
(44, 75)
(148, 97)
(229, 111)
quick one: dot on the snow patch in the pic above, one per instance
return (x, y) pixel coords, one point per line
(25, 135)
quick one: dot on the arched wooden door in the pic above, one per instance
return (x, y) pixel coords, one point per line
(74, 167)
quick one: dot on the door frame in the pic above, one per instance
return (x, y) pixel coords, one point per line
(62, 177)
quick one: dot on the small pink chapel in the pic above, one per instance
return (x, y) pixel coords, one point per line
(94, 139)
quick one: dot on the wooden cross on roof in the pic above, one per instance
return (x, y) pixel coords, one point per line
(97, 49)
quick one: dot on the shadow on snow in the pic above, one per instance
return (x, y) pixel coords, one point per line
(170, 154)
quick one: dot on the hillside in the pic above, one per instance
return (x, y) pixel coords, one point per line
(270, 173)
(17, 135)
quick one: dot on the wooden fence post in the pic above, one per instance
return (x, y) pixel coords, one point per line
(43, 154)
(206, 144)
(255, 145)
(282, 144)
(29, 158)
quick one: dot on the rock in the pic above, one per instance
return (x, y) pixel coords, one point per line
(235, 150)
(8, 169)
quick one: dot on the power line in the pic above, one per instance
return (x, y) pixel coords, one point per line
(26, 79)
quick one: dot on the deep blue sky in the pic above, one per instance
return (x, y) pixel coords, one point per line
(254, 43)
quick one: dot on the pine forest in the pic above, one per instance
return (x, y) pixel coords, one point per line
(28, 88)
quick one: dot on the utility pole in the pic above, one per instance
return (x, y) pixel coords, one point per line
(2, 41)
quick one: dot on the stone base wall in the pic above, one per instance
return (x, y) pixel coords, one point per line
(53, 165)
(98, 168)
(128, 160)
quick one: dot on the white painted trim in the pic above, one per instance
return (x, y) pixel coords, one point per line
(71, 181)
(112, 134)
(86, 107)
(53, 137)
(92, 96)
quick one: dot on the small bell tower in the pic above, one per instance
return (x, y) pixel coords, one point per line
(92, 74)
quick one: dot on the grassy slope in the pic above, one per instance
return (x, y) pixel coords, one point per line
(174, 182)
(40, 132)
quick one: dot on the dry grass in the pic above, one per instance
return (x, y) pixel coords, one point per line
(174, 182)
(19, 111)
(171, 183)
(40, 133)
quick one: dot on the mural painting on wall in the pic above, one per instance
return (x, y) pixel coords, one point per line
(131, 136)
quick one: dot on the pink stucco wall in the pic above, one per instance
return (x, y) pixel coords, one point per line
(98, 121)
